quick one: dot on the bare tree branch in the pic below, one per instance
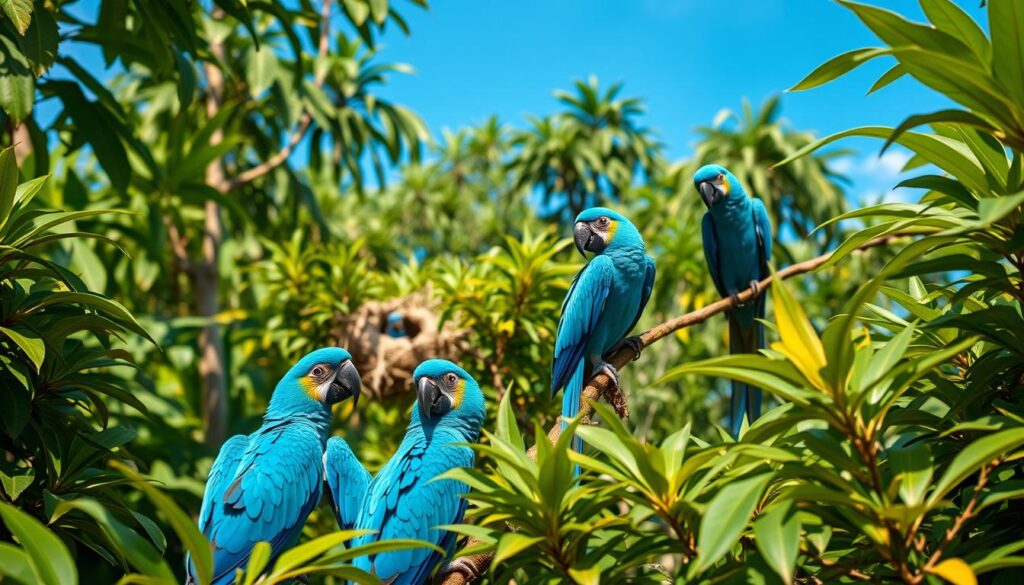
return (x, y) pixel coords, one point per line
(467, 569)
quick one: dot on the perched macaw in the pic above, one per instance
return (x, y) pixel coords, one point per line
(737, 246)
(263, 486)
(396, 325)
(405, 500)
(603, 304)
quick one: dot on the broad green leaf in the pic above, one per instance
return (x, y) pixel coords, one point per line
(296, 557)
(16, 565)
(912, 467)
(261, 70)
(511, 544)
(17, 82)
(949, 155)
(40, 42)
(1006, 20)
(973, 457)
(725, 518)
(32, 346)
(20, 13)
(777, 536)
(258, 559)
(140, 553)
(15, 479)
(951, 19)
(954, 570)
(8, 183)
(837, 67)
(51, 562)
(192, 539)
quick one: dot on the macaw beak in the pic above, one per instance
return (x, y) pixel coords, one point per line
(432, 401)
(346, 384)
(586, 240)
(710, 193)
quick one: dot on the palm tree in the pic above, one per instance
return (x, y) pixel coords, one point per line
(587, 154)
(800, 195)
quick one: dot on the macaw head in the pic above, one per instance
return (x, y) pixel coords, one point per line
(599, 229)
(444, 391)
(715, 184)
(326, 376)
(396, 325)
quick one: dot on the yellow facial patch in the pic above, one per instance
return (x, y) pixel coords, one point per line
(725, 185)
(457, 393)
(310, 387)
(613, 226)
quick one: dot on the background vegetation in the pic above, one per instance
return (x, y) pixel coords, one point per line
(231, 188)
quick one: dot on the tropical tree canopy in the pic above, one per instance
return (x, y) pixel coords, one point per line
(230, 188)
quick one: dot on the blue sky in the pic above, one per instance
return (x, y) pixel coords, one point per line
(687, 59)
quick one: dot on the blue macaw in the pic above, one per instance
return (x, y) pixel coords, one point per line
(737, 246)
(603, 304)
(263, 486)
(396, 325)
(405, 500)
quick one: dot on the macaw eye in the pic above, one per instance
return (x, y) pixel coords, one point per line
(451, 379)
(720, 176)
(318, 371)
(602, 221)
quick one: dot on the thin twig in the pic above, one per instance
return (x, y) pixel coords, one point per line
(466, 569)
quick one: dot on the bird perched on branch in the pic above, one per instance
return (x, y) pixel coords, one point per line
(406, 499)
(737, 246)
(263, 486)
(603, 304)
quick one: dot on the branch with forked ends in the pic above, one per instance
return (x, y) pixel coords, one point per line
(467, 569)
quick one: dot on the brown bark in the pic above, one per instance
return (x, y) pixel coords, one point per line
(467, 569)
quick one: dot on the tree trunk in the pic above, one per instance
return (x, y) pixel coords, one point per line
(207, 278)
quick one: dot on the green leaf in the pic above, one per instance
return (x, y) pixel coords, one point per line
(16, 565)
(40, 42)
(296, 557)
(951, 19)
(29, 343)
(15, 479)
(953, 116)
(258, 559)
(17, 83)
(261, 70)
(777, 536)
(511, 544)
(20, 13)
(138, 551)
(188, 533)
(894, 73)
(973, 457)
(725, 518)
(51, 562)
(838, 66)
(8, 183)
(912, 466)
(1006, 20)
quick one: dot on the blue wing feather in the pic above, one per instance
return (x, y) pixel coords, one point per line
(406, 501)
(709, 236)
(266, 496)
(581, 310)
(645, 295)
(347, 481)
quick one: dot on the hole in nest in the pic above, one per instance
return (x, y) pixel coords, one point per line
(411, 327)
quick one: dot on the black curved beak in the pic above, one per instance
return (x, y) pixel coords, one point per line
(432, 401)
(710, 193)
(346, 384)
(586, 240)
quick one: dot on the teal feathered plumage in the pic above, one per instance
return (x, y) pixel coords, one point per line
(263, 486)
(737, 238)
(603, 304)
(405, 500)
